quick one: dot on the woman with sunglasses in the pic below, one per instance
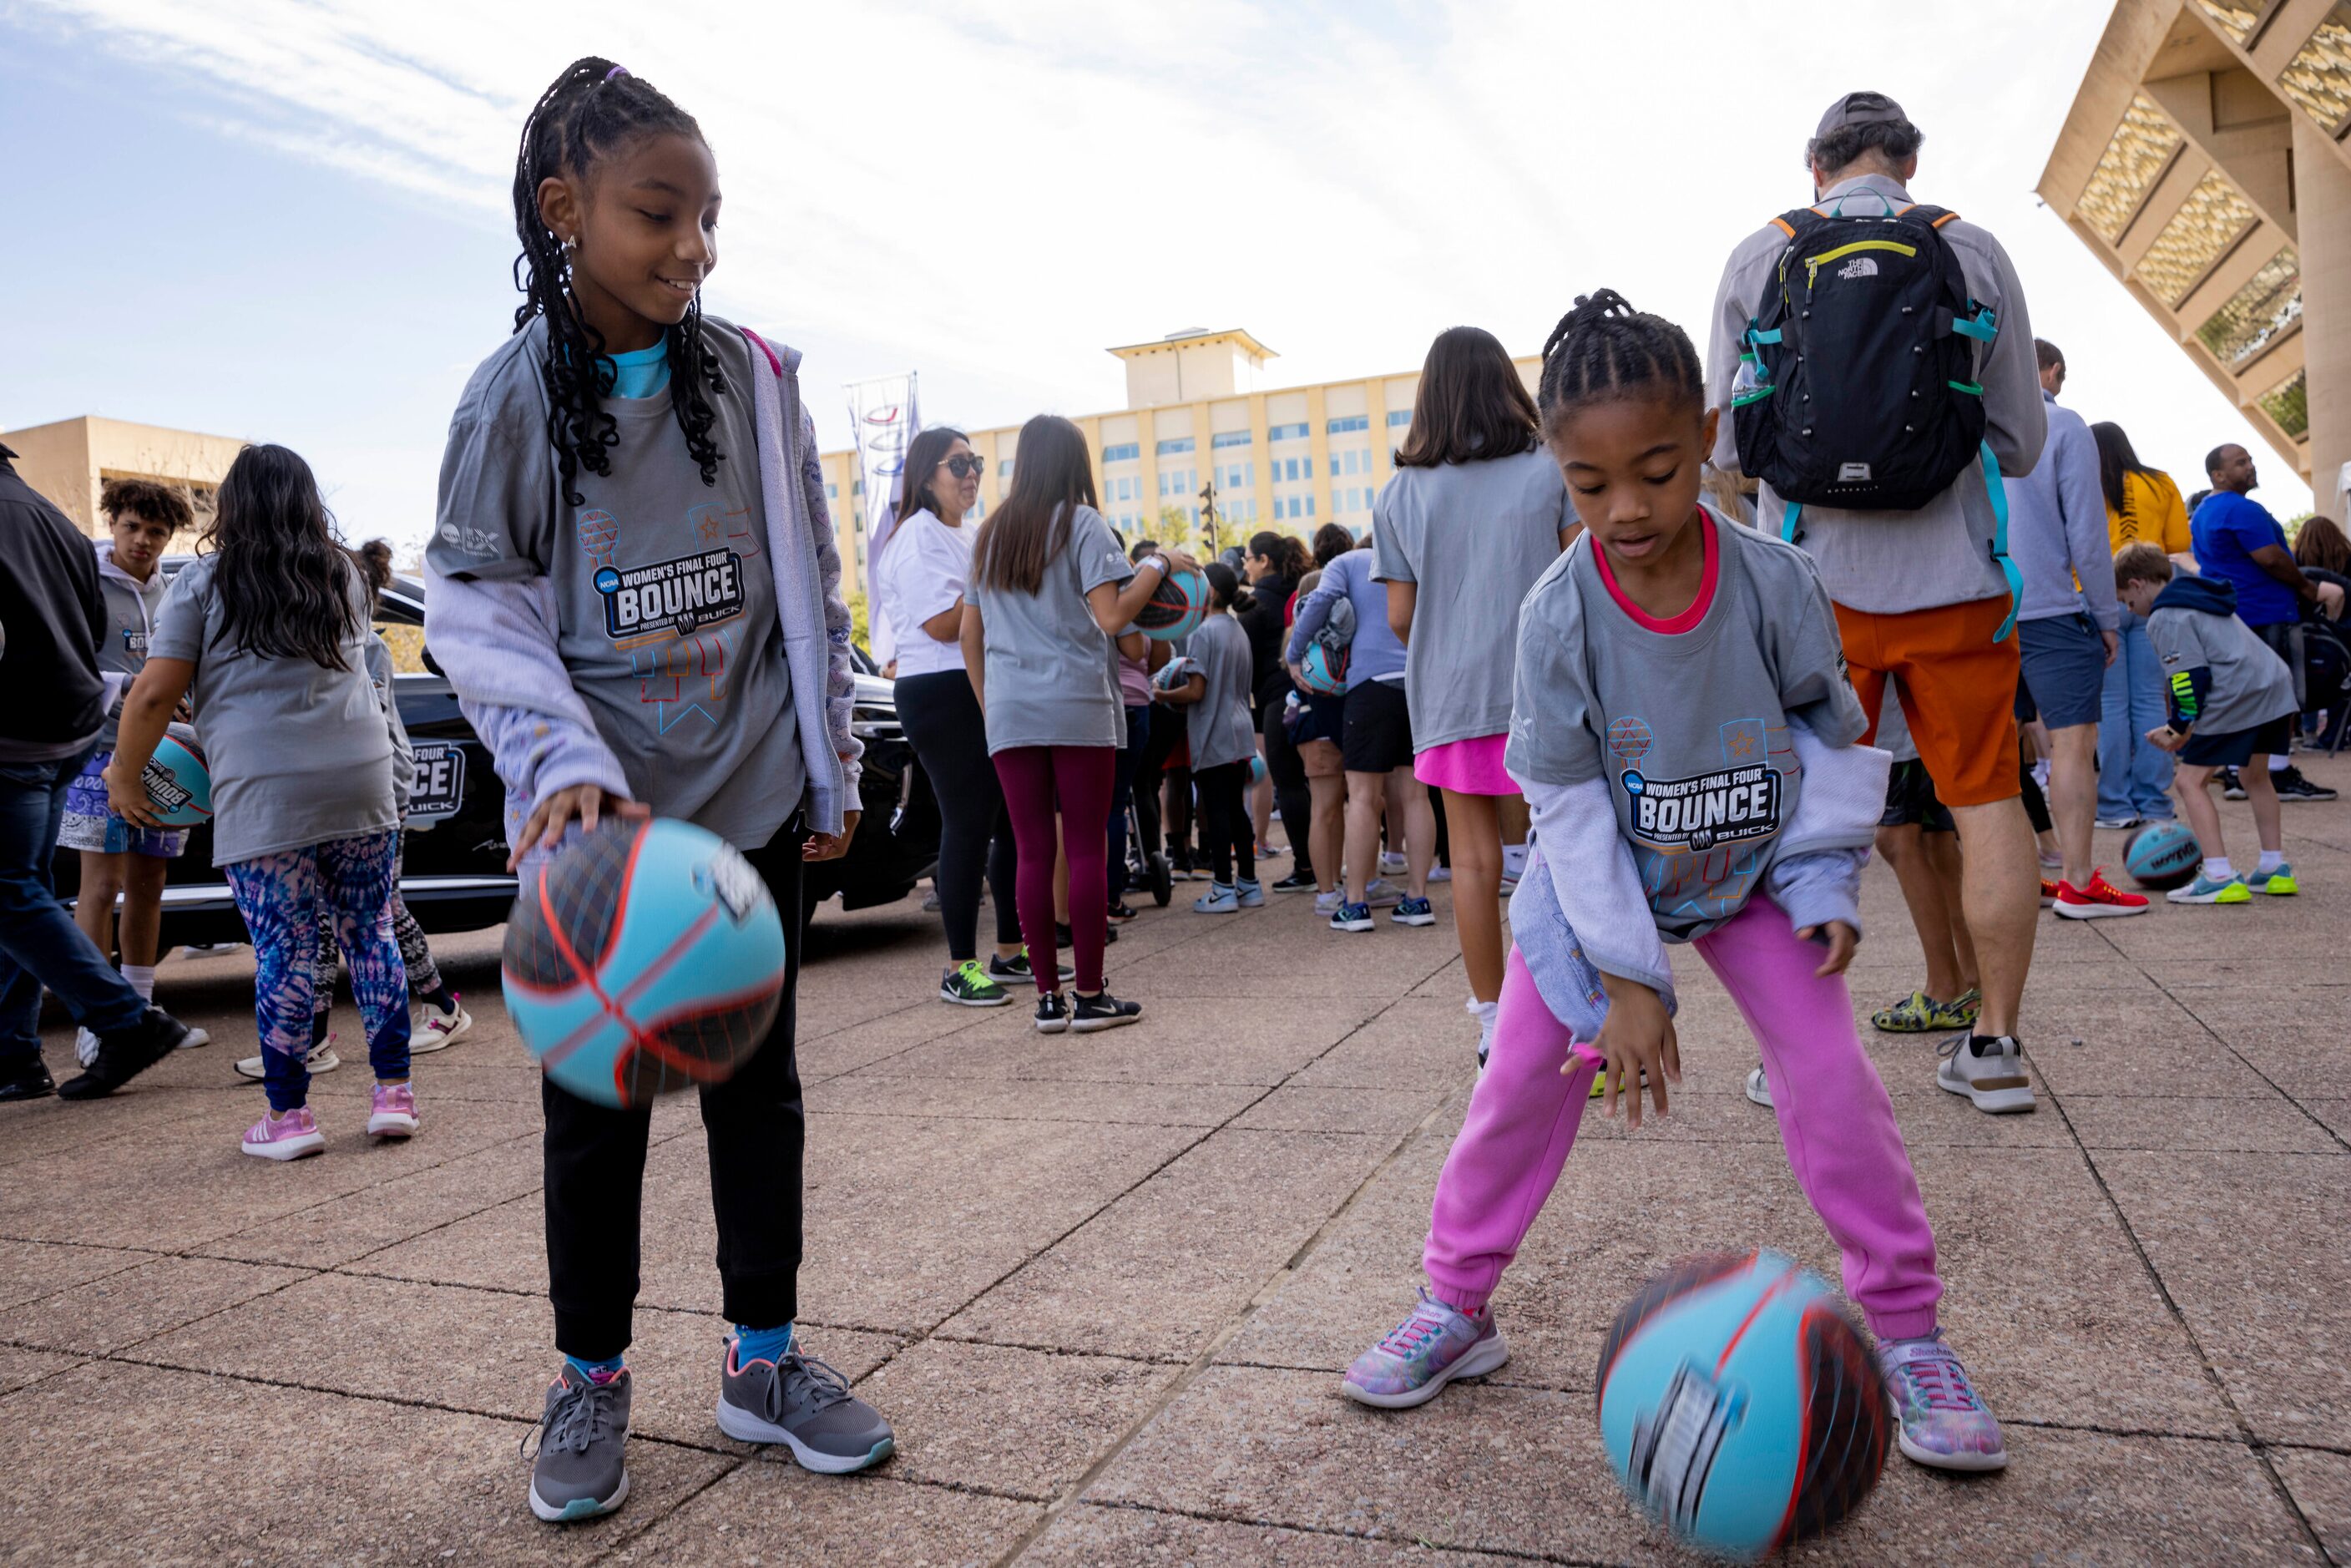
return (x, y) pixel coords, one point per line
(919, 586)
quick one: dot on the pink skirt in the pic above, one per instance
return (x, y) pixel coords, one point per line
(1471, 766)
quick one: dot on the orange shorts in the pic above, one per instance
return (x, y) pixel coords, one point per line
(1958, 690)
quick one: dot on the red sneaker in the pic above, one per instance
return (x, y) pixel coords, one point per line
(2048, 893)
(2102, 900)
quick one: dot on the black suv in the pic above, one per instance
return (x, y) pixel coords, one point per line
(453, 873)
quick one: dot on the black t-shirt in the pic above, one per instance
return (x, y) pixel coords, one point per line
(1266, 623)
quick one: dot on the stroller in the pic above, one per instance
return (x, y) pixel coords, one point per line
(2327, 679)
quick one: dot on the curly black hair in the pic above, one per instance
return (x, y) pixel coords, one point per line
(588, 112)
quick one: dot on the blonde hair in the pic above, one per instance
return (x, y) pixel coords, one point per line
(2141, 562)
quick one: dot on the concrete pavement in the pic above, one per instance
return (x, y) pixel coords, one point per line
(1104, 1285)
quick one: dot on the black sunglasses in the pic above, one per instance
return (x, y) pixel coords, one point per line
(964, 466)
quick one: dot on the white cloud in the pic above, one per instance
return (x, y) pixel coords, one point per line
(994, 194)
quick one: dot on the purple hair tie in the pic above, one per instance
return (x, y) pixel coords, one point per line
(616, 71)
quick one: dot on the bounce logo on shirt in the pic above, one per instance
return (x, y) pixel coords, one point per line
(1699, 813)
(674, 596)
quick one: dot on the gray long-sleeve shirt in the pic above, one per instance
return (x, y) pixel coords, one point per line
(1889, 563)
(2057, 528)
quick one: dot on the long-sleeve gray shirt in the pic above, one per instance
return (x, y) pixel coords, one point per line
(2057, 528)
(1889, 563)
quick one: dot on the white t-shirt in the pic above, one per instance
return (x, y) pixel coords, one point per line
(925, 567)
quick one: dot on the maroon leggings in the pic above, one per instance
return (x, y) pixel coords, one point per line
(1076, 778)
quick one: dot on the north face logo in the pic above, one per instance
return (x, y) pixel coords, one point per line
(1859, 267)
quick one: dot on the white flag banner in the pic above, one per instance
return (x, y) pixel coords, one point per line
(881, 414)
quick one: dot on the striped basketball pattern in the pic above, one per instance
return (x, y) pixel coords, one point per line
(648, 956)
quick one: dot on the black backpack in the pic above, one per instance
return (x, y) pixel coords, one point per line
(1858, 386)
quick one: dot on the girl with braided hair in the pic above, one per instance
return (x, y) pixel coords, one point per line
(633, 589)
(1689, 745)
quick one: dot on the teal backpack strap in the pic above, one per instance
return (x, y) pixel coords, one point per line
(1788, 520)
(1997, 489)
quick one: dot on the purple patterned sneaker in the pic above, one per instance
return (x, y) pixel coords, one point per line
(1422, 1354)
(287, 1137)
(392, 1113)
(1945, 1426)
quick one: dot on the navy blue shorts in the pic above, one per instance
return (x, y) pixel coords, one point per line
(2064, 678)
(2235, 747)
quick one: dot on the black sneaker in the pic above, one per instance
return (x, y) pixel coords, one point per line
(30, 1081)
(1101, 1011)
(579, 1472)
(2232, 787)
(1061, 939)
(1120, 912)
(124, 1054)
(1052, 1013)
(2291, 784)
(1296, 882)
(1016, 969)
(807, 1406)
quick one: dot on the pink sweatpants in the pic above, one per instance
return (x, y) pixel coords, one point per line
(1834, 1118)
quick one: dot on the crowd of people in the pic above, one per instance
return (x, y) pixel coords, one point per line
(1577, 662)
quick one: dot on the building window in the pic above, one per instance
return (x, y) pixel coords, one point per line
(1309, 468)
(1229, 438)
(1126, 452)
(1287, 432)
(1398, 418)
(1353, 422)
(857, 486)
(831, 491)
(1310, 505)
(1171, 448)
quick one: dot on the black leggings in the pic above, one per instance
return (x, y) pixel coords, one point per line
(1122, 793)
(950, 739)
(1225, 820)
(1291, 794)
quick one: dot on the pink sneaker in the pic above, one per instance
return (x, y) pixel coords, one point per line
(393, 1112)
(287, 1137)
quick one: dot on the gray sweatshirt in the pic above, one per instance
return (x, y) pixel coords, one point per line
(2057, 528)
(1889, 563)
(130, 609)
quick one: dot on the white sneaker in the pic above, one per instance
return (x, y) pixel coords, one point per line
(1758, 1086)
(441, 1030)
(1392, 863)
(1514, 865)
(322, 1059)
(1440, 873)
(1995, 1081)
(84, 1046)
(1485, 1013)
(196, 1037)
(1326, 904)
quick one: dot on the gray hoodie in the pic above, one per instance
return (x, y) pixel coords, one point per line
(130, 607)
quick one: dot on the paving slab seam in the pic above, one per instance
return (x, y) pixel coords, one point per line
(2249, 1438)
(1060, 1350)
(1500, 1554)
(1028, 1120)
(2222, 1041)
(1075, 1492)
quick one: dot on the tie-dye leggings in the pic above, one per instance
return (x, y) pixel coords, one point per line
(279, 896)
(415, 952)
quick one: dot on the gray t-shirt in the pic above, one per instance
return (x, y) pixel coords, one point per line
(404, 756)
(1049, 675)
(1689, 728)
(1218, 726)
(1473, 536)
(665, 598)
(298, 755)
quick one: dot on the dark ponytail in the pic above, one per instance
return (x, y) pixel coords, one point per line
(1603, 351)
(1225, 588)
(592, 109)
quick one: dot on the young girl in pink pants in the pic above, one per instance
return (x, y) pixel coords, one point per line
(1687, 741)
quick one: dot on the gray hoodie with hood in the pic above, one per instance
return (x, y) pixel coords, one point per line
(130, 607)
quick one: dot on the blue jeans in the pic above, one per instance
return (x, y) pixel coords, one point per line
(2133, 775)
(39, 943)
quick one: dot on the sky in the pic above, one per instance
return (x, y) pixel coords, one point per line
(291, 220)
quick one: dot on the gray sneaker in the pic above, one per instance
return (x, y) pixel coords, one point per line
(578, 1473)
(807, 1405)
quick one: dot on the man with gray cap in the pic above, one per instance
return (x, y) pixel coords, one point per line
(1921, 594)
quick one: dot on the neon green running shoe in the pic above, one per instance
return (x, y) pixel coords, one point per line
(967, 985)
(2279, 883)
(1919, 1013)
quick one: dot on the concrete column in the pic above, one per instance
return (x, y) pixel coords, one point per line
(2323, 199)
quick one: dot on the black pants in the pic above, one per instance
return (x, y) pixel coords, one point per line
(950, 740)
(1292, 797)
(1122, 792)
(1167, 732)
(1225, 820)
(753, 1123)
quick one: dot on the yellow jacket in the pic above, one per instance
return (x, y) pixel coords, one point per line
(2153, 511)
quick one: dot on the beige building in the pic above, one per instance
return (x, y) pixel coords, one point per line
(2205, 163)
(1197, 418)
(69, 460)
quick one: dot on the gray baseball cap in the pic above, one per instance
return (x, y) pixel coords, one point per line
(1860, 108)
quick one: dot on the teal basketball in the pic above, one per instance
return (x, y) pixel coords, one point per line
(1175, 608)
(1739, 1406)
(178, 782)
(2162, 854)
(647, 956)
